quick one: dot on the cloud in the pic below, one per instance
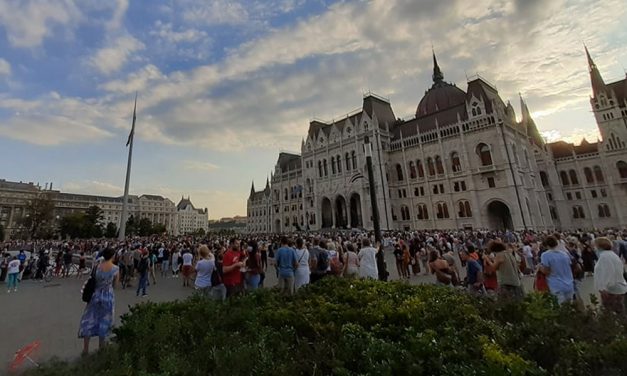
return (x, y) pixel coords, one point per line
(28, 22)
(93, 187)
(165, 32)
(119, 11)
(194, 165)
(216, 12)
(113, 57)
(136, 81)
(5, 68)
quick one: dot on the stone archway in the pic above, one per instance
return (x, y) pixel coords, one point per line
(327, 213)
(355, 210)
(499, 216)
(341, 216)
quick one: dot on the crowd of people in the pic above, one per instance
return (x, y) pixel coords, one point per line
(488, 263)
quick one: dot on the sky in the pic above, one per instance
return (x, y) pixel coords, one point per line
(223, 86)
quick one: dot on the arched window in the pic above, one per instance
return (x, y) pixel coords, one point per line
(320, 168)
(333, 165)
(405, 213)
(474, 112)
(588, 174)
(399, 172)
(464, 209)
(573, 177)
(578, 212)
(485, 155)
(423, 213)
(430, 166)
(339, 164)
(598, 174)
(456, 164)
(324, 166)
(604, 211)
(564, 178)
(622, 169)
(467, 207)
(354, 158)
(442, 210)
(421, 170)
(285, 195)
(412, 170)
(348, 162)
(544, 178)
(438, 165)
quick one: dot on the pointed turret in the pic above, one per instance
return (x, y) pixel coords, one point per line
(267, 184)
(252, 189)
(529, 124)
(438, 76)
(595, 76)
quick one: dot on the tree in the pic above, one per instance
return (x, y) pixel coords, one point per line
(131, 226)
(111, 231)
(200, 232)
(74, 225)
(38, 215)
(93, 219)
(159, 228)
(145, 227)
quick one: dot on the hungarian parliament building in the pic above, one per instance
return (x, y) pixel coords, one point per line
(464, 161)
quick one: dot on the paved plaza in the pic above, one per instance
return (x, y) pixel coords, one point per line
(50, 312)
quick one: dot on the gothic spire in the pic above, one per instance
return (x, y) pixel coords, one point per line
(267, 183)
(595, 76)
(437, 73)
(252, 189)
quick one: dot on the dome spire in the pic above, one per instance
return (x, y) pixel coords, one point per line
(437, 73)
(595, 76)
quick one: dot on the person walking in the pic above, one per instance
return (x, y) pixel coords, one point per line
(474, 274)
(98, 318)
(143, 267)
(351, 262)
(204, 269)
(286, 263)
(368, 260)
(188, 260)
(253, 267)
(507, 271)
(609, 279)
(301, 277)
(556, 265)
(233, 262)
(13, 272)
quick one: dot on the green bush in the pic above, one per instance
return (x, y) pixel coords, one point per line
(359, 327)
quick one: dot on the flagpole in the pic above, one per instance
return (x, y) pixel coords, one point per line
(131, 137)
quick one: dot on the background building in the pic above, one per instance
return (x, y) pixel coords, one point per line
(463, 161)
(191, 219)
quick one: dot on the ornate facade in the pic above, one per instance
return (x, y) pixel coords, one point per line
(463, 161)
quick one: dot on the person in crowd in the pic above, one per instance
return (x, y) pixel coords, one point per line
(152, 257)
(176, 255)
(301, 277)
(286, 263)
(22, 257)
(451, 260)
(13, 272)
(253, 267)
(527, 252)
(82, 265)
(398, 257)
(318, 261)
(555, 263)
(439, 267)
(588, 258)
(474, 274)
(143, 268)
(165, 262)
(98, 318)
(609, 279)
(263, 250)
(234, 261)
(351, 262)
(406, 259)
(367, 260)
(507, 270)
(188, 260)
(67, 262)
(218, 290)
(204, 269)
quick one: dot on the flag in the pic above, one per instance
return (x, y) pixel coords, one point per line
(130, 135)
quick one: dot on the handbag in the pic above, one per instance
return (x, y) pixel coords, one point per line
(87, 291)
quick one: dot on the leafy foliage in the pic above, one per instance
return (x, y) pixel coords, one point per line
(349, 327)
(37, 221)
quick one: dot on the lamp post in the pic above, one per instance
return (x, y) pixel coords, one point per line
(381, 265)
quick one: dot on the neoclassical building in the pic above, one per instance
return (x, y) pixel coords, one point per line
(191, 219)
(463, 161)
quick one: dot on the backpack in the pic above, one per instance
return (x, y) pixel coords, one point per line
(336, 265)
(143, 265)
(216, 277)
(323, 261)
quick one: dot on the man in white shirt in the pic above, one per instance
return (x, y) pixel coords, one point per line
(608, 277)
(367, 260)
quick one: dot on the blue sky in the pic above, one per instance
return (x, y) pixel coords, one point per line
(224, 85)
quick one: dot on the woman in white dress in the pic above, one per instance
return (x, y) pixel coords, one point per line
(301, 277)
(351, 262)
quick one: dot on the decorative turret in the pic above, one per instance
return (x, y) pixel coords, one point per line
(438, 76)
(595, 76)
(252, 189)
(529, 124)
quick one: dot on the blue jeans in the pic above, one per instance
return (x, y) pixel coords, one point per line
(143, 281)
(252, 281)
(12, 281)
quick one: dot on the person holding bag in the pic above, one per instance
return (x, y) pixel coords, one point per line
(507, 270)
(98, 316)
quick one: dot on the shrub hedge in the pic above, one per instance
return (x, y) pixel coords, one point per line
(346, 327)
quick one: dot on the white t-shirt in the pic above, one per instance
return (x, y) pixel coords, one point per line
(527, 251)
(187, 258)
(302, 257)
(368, 263)
(13, 267)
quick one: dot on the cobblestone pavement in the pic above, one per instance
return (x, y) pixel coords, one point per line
(50, 312)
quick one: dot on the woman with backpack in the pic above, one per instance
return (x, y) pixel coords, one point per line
(98, 317)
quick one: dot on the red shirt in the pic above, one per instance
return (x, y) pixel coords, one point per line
(234, 277)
